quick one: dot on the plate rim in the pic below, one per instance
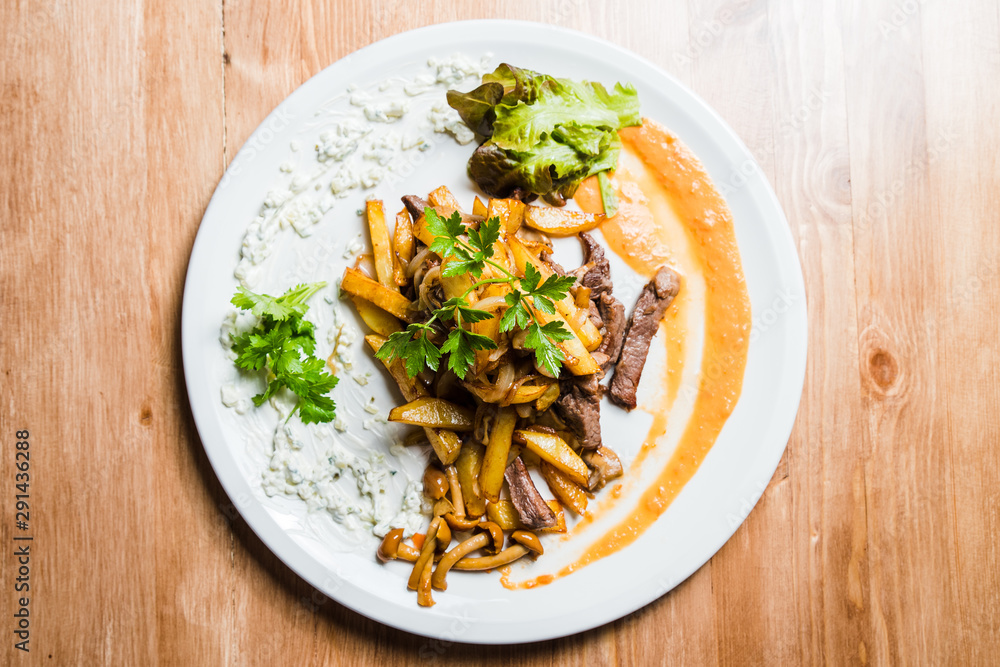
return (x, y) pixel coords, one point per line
(292, 555)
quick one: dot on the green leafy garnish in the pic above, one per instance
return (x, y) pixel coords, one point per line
(283, 343)
(471, 249)
(608, 196)
(544, 135)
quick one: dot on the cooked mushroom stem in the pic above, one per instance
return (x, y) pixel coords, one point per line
(426, 554)
(456, 491)
(424, 597)
(389, 548)
(460, 524)
(448, 561)
(508, 555)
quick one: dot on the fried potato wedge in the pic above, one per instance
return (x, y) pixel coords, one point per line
(358, 284)
(446, 444)
(527, 393)
(559, 221)
(564, 489)
(433, 413)
(497, 449)
(378, 320)
(509, 211)
(402, 240)
(468, 465)
(443, 197)
(381, 247)
(478, 207)
(554, 450)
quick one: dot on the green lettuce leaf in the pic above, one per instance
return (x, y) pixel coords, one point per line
(476, 107)
(544, 135)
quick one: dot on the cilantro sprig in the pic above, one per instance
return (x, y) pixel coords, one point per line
(469, 251)
(283, 342)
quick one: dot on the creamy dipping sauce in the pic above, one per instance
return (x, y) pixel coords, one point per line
(670, 213)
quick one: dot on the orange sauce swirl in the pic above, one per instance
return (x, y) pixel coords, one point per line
(659, 177)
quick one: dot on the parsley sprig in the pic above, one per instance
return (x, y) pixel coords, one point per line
(283, 342)
(469, 251)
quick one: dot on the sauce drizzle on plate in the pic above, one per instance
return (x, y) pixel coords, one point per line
(666, 172)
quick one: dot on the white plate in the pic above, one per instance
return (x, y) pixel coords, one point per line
(476, 608)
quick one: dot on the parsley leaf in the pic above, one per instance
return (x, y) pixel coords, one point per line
(414, 347)
(531, 278)
(283, 342)
(291, 304)
(555, 287)
(445, 230)
(468, 314)
(482, 239)
(467, 250)
(517, 314)
(543, 339)
(461, 346)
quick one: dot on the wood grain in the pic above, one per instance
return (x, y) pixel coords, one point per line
(876, 540)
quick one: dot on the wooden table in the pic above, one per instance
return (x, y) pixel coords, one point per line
(877, 123)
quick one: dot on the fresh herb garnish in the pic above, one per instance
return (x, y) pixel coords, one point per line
(608, 196)
(283, 342)
(469, 251)
(543, 135)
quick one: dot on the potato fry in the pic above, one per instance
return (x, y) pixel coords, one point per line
(509, 211)
(381, 247)
(433, 413)
(546, 400)
(554, 450)
(468, 464)
(564, 489)
(443, 197)
(560, 526)
(527, 393)
(478, 207)
(358, 284)
(503, 514)
(559, 221)
(495, 459)
(375, 318)
(446, 444)
(402, 240)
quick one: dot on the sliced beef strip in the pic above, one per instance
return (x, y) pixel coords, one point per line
(415, 205)
(653, 302)
(533, 511)
(595, 316)
(579, 405)
(598, 274)
(553, 264)
(613, 318)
